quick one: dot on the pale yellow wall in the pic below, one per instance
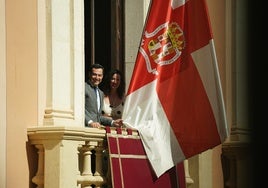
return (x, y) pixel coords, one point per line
(21, 75)
(217, 10)
(2, 95)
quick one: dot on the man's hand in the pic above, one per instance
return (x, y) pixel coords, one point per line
(95, 125)
(118, 123)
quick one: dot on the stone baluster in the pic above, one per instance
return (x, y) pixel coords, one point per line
(87, 160)
(99, 157)
(188, 179)
(92, 168)
(39, 178)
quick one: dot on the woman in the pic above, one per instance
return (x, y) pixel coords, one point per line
(114, 94)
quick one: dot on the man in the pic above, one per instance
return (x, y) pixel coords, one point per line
(94, 100)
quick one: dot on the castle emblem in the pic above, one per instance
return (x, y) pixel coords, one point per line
(163, 46)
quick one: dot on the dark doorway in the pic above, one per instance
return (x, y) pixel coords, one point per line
(104, 34)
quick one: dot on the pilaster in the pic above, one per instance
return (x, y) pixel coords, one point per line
(61, 62)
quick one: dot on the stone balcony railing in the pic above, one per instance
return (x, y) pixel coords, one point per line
(70, 157)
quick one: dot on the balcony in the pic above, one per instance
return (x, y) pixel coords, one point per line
(71, 157)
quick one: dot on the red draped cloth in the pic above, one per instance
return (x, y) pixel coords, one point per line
(130, 167)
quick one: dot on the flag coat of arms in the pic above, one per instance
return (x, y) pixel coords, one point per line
(174, 97)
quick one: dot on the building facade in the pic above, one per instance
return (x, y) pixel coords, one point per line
(42, 70)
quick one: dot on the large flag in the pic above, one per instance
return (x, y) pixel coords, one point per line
(175, 98)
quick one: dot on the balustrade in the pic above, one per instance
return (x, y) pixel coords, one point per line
(72, 157)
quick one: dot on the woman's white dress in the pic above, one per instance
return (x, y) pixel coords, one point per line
(111, 111)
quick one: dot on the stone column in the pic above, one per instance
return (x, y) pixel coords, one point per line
(60, 91)
(61, 62)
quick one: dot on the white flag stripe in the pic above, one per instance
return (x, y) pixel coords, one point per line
(206, 62)
(177, 3)
(159, 140)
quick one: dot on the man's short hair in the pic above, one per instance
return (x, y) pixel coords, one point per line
(96, 66)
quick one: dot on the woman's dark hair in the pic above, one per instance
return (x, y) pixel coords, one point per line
(106, 85)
